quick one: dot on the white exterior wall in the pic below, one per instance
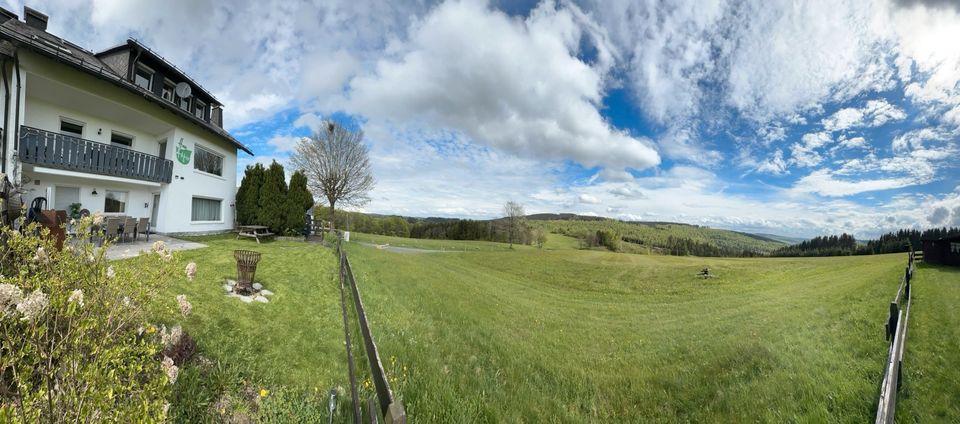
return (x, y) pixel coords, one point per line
(176, 199)
(148, 123)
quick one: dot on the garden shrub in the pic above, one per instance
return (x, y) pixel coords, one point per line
(75, 342)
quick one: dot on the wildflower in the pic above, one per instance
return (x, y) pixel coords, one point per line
(98, 218)
(10, 296)
(110, 272)
(185, 306)
(33, 305)
(151, 329)
(172, 338)
(76, 296)
(73, 221)
(159, 246)
(126, 301)
(191, 270)
(166, 408)
(264, 393)
(41, 255)
(170, 369)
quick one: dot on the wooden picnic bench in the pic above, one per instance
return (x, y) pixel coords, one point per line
(254, 231)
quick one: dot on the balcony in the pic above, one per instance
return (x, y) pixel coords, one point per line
(53, 150)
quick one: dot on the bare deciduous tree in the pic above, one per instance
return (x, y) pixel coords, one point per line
(516, 216)
(337, 165)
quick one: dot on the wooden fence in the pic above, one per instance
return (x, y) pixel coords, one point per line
(897, 334)
(390, 410)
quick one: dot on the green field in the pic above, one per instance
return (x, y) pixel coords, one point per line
(573, 336)
(560, 334)
(931, 386)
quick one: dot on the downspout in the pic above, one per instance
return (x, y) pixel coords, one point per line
(16, 123)
(6, 117)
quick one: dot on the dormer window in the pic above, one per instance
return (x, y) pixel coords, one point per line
(167, 92)
(184, 103)
(143, 77)
(200, 110)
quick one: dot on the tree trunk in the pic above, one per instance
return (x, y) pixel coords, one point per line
(333, 220)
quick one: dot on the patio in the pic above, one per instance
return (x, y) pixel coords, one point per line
(130, 249)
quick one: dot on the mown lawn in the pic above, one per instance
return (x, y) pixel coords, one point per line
(931, 364)
(430, 244)
(291, 347)
(589, 336)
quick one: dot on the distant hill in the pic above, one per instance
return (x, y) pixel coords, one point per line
(668, 237)
(563, 217)
(638, 236)
(784, 239)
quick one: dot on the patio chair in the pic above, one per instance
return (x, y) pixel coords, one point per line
(143, 227)
(129, 227)
(111, 230)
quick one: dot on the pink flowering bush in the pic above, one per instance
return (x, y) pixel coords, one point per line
(75, 341)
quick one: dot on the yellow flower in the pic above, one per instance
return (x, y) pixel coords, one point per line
(151, 329)
(264, 393)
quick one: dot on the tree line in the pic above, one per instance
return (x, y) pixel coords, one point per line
(904, 240)
(265, 198)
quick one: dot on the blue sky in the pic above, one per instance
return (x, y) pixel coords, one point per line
(796, 118)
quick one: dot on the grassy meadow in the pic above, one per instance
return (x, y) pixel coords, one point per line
(571, 335)
(483, 333)
(931, 375)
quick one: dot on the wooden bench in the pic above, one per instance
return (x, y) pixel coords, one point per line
(254, 231)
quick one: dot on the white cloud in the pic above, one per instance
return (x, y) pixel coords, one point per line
(823, 182)
(512, 84)
(874, 114)
(309, 120)
(586, 198)
(284, 143)
(775, 165)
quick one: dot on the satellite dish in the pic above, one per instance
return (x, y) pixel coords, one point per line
(183, 90)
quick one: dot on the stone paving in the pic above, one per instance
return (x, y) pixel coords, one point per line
(130, 249)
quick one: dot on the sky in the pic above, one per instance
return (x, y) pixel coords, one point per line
(798, 118)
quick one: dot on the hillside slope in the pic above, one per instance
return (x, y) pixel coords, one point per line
(671, 238)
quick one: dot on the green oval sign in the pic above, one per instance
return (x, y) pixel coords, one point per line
(183, 153)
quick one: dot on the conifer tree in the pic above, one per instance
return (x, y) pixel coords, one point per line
(273, 199)
(247, 202)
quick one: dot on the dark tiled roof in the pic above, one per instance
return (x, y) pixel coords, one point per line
(133, 44)
(22, 35)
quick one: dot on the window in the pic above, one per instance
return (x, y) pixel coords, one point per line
(207, 161)
(64, 197)
(115, 202)
(143, 77)
(200, 110)
(120, 139)
(163, 149)
(205, 209)
(167, 91)
(184, 103)
(71, 128)
(955, 247)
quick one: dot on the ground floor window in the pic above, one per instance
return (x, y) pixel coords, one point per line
(205, 209)
(115, 202)
(64, 197)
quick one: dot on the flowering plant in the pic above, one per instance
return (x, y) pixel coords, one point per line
(70, 349)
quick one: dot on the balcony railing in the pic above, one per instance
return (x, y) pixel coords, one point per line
(50, 149)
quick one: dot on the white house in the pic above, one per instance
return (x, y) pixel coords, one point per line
(122, 131)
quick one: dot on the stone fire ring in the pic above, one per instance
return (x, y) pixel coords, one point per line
(259, 293)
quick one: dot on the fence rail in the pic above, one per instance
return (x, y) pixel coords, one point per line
(390, 409)
(896, 332)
